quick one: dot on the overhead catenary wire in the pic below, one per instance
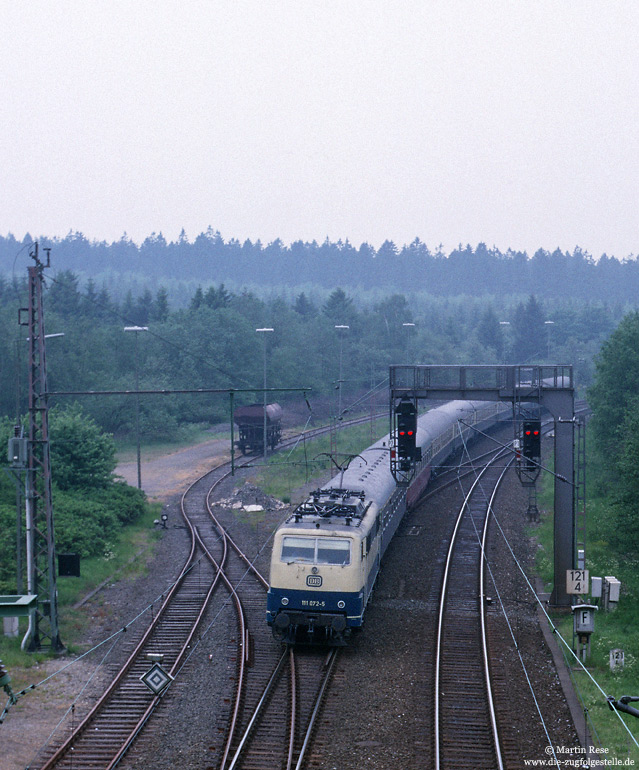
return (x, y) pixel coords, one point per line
(512, 450)
(375, 389)
(242, 579)
(74, 701)
(139, 615)
(146, 609)
(149, 607)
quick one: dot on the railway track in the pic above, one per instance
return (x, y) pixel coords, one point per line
(279, 729)
(472, 707)
(113, 724)
(107, 732)
(465, 730)
(277, 699)
(272, 717)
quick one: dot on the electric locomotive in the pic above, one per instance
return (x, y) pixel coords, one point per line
(327, 554)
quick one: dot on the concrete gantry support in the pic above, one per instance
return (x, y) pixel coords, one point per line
(562, 407)
(551, 387)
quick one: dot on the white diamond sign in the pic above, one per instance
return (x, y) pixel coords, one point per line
(156, 679)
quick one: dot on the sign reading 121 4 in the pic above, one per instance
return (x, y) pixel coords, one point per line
(577, 581)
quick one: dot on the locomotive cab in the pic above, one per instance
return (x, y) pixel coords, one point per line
(317, 587)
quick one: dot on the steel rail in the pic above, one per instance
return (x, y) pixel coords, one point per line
(242, 635)
(275, 676)
(329, 665)
(481, 595)
(195, 540)
(174, 669)
(111, 690)
(260, 711)
(581, 408)
(64, 748)
(438, 645)
(228, 539)
(293, 713)
(427, 494)
(482, 617)
(185, 647)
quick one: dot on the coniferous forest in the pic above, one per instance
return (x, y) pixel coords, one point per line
(208, 258)
(211, 343)
(203, 301)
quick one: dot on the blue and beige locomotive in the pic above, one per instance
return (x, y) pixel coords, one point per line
(327, 554)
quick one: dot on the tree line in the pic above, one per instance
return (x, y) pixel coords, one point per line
(466, 270)
(614, 399)
(212, 343)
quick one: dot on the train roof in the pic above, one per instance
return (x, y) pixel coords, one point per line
(364, 470)
(254, 414)
(347, 497)
(345, 506)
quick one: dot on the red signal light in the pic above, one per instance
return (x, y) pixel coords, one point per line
(406, 416)
(531, 431)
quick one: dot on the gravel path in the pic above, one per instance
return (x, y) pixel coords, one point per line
(166, 476)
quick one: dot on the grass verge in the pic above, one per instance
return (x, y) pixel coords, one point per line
(617, 629)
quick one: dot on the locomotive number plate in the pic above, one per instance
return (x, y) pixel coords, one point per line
(315, 581)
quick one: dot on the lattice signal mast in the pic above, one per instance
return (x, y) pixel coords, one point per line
(45, 633)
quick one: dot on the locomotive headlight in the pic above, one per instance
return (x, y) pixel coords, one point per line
(341, 604)
(284, 601)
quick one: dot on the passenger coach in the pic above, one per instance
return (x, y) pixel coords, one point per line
(327, 554)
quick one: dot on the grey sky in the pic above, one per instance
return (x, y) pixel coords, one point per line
(513, 123)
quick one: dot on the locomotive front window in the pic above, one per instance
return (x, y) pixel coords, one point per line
(298, 549)
(316, 550)
(333, 551)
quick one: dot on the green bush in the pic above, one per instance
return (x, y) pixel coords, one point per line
(7, 549)
(82, 524)
(90, 505)
(126, 503)
(82, 457)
